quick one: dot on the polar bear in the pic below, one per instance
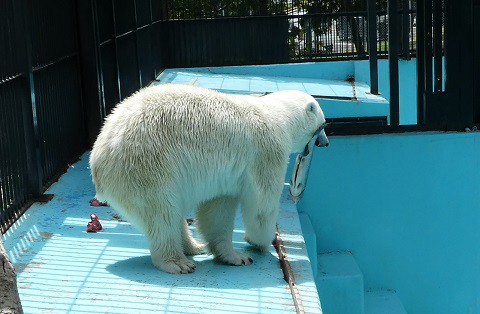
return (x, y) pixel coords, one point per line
(170, 149)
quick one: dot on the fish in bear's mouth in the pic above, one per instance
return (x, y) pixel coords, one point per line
(315, 136)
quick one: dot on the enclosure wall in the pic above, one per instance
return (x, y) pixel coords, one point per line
(406, 206)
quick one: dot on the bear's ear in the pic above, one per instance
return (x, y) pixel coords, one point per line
(311, 107)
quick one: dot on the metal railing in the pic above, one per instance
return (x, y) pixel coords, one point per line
(335, 36)
(281, 39)
(315, 31)
(42, 126)
(55, 92)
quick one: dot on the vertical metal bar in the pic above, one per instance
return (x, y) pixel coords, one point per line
(405, 29)
(78, 63)
(3, 167)
(150, 32)
(372, 46)
(5, 162)
(166, 5)
(433, 108)
(115, 43)
(298, 53)
(437, 45)
(29, 106)
(412, 40)
(476, 61)
(18, 159)
(428, 48)
(98, 49)
(304, 52)
(460, 39)
(420, 36)
(135, 40)
(90, 69)
(393, 62)
(347, 35)
(450, 45)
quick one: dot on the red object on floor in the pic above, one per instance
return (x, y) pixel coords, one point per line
(94, 225)
(94, 202)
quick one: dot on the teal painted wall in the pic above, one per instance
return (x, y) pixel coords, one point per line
(408, 207)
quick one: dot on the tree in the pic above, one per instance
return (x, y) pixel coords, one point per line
(337, 6)
(9, 299)
(186, 9)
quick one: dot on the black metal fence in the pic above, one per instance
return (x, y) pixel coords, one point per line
(317, 30)
(122, 51)
(280, 39)
(335, 36)
(41, 115)
(217, 42)
(63, 66)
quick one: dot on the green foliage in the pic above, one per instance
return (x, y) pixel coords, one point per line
(194, 9)
(337, 6)
(179, 9)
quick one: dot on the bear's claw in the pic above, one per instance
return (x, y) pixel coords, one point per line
(249, 259)
(181, 266)
(238, 259)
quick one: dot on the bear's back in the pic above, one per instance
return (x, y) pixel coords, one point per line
(185, 125)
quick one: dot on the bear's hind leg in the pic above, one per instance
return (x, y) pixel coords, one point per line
(215, 221)
(164, 232)
(190, 245)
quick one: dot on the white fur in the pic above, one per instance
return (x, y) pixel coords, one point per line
(170, 149)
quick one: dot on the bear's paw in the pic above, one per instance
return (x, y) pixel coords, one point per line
(236, 259)
(180, 266)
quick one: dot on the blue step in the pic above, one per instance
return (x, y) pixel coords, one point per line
(310, 240)
(338, 98)
(382, 302)
(340, 284)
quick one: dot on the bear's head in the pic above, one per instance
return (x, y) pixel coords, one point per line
(305, 119)
(319, 137)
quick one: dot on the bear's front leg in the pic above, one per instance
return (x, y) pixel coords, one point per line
(215, 221)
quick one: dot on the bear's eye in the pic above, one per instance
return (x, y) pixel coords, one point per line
(311, 107)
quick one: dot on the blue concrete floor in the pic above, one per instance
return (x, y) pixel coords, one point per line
(63, 269)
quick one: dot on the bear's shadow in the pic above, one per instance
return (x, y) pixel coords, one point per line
(264, 272)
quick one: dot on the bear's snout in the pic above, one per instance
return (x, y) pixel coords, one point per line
(322, 141)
